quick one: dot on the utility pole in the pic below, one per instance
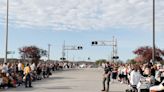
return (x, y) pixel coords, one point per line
(153, 50)
(6, 36)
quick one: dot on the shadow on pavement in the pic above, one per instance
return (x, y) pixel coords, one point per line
(19, 89)
(58, 87)
(56, 78)
(32, 89)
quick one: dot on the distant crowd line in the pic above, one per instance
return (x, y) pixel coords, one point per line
(13, 75)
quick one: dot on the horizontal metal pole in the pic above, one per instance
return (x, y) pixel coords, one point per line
(104, 45)
(103, 41)
(71, 49)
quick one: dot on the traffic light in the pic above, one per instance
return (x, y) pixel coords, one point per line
(79, 47)
(44, 52)
(94, 42)
(62, 58)
(115, 57)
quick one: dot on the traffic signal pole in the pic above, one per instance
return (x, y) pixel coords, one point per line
(113, 48)
(63, 51)
(69, 47)
(116, 48)
(112, 43)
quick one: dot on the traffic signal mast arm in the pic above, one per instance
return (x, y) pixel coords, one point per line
(73, 47)
(103, 43)
(108, 43)
(69, 47)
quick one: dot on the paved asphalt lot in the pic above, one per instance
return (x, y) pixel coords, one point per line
(72, 80)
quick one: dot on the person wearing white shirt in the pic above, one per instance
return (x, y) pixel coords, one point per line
(19, 66)
(5, 68)
(33, 67)
(135, 78)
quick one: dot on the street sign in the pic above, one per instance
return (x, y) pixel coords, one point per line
(10, 52)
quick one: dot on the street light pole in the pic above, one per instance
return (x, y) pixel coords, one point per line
(153, 50)
(6, 33)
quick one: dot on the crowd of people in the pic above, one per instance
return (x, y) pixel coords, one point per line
(15, 74)
(140, 77)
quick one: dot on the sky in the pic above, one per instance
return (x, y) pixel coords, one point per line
(79, 22)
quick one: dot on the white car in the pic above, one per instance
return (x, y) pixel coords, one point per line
(82, 66)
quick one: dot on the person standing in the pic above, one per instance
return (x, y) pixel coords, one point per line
(158, 74)
(20, 69)
(134, 78)
(5, 68)
(146, 81)
(27, 71)
(106, 76)
(114, 74)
